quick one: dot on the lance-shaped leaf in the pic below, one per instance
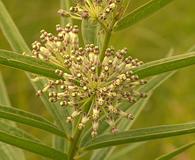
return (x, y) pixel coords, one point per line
(165, 65)
(4, 99)
(18, 44)
(141, 13)
(138, 135)
(5, 127)
(176, 152)
(29, 64)
(8, 152)
(29, 119)
(126, 150)
(21, 141)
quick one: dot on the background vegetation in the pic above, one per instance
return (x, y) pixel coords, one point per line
(172, 27)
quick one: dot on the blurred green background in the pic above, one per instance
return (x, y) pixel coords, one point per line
(173, 102)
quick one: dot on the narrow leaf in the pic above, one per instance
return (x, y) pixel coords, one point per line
(176, 152)
(165, 65)
(5, 127)
(28, 63)
(4, 99)
(33, 121)
(20, 112)
(141, 13)
(10, 31)
(18, 44)
(143, 134)
(124, 151)
(31, 146)
(8, 151)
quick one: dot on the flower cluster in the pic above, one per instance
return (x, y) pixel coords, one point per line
(107, 83)
(101, 10)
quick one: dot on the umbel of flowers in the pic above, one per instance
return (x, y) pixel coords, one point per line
(98, 10)
(107, 82)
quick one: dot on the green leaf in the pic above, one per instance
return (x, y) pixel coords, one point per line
(27, 63)
(11, 32)
(31, 145)
(138, 135)
(29, 119)
(165, 65)
(176, 152)
(4, 99)
(6, 127)
(8, 152)
(18, 44)
(141, 13)
(124, 151)
(59, 143)
(20, 112)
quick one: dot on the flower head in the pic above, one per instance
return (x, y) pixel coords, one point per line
(101, 10)
(108, 82)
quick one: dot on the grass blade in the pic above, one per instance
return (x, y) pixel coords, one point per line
(141, 13)
(138, 135)
(32, 120)
(176, 152)
(165, 65)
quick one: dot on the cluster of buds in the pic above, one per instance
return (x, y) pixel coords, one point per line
(107, 82)
(53, 48)
(103, 10)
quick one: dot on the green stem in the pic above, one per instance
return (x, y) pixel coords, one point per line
(106, 43)
(65, 4)
(73, 146)
(75, 139)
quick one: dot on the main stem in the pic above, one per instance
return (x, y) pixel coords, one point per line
(65, 4)
(75, 139)
(106, 43)
(73, 146)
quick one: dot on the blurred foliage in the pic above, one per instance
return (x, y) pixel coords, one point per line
(171, 27)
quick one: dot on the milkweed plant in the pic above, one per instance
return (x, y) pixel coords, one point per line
(94, 91)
